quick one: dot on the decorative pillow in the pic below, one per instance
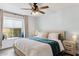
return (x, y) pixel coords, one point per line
(43, 34)
(53, 36)
(61, 37)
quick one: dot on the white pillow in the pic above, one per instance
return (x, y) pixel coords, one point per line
(53, 36)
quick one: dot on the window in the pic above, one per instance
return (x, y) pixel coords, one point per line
(12, 27)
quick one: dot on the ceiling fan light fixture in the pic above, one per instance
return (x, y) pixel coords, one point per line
(36, 10)
(35, 13)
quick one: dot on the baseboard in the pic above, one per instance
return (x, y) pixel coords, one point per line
(5, 48)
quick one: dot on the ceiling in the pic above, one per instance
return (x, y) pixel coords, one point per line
(53, 7)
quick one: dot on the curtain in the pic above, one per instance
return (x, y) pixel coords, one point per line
(1, 26)
(1, 20)
(26, 26)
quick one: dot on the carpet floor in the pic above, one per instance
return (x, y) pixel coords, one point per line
(7, 52)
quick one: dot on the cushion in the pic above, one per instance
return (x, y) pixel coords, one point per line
(61, 37)
(42, 34)
(53, 36)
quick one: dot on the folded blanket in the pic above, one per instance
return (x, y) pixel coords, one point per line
(54, 45)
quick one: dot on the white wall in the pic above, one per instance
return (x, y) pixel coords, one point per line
(70, 19)
(50, 22)
(67, 19)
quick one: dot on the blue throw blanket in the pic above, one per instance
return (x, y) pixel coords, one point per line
(54, 45)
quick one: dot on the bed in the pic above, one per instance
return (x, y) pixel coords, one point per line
(36, 46)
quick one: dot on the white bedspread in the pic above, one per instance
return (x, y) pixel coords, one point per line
(35, 48)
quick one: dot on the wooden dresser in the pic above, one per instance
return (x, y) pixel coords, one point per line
(70, 47)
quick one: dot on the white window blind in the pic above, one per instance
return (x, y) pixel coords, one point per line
(10, 22)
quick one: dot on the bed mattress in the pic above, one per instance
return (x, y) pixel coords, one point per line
(28, 47)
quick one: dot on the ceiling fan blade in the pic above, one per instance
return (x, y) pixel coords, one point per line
(41, 12)
(26, 8)
(44, 7)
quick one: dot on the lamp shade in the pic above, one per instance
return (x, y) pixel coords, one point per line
(74, 37)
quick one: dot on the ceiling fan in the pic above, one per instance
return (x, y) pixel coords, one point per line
(35, 8)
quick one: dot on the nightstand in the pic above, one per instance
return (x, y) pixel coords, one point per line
(70, 46)
(77, 47)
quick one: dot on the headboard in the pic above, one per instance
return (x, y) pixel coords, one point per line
(61, 32)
